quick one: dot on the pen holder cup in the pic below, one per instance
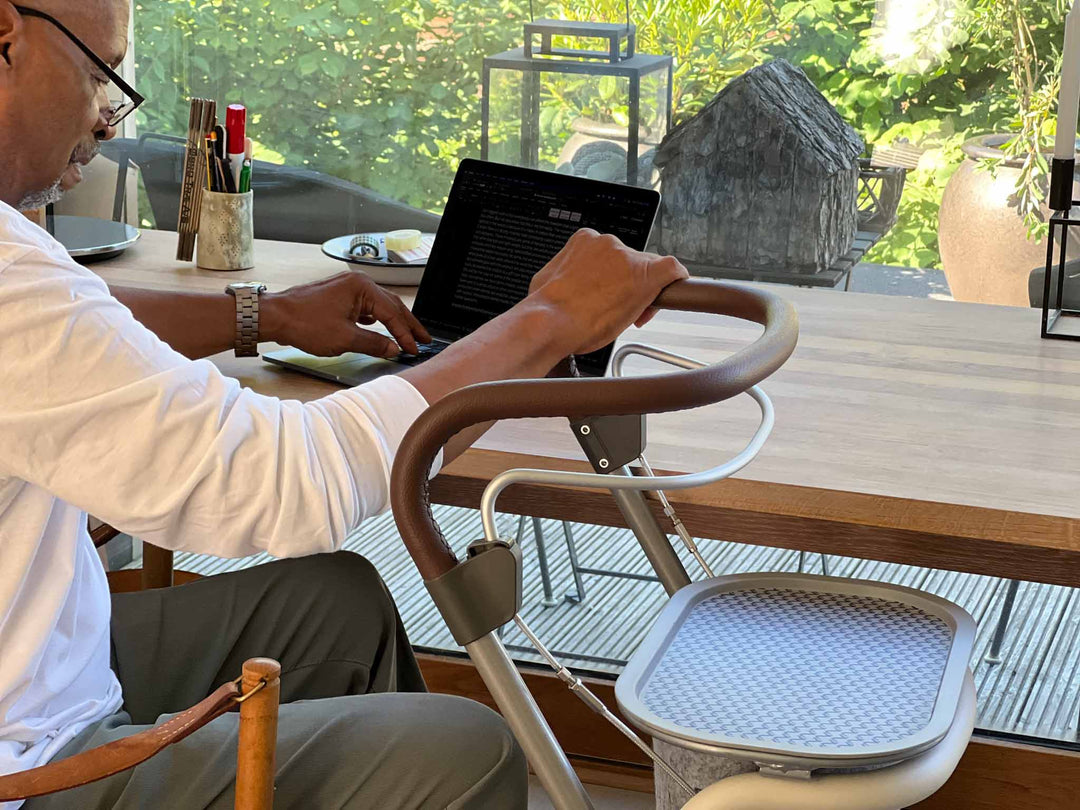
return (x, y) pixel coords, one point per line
(226, 232)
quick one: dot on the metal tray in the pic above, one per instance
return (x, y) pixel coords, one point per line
(800, 672)
(91, 240)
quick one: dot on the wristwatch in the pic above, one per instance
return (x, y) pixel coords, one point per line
(247, 316)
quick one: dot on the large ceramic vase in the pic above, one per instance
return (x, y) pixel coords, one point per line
(985, 251)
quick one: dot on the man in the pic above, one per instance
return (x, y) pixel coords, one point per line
(105, 408)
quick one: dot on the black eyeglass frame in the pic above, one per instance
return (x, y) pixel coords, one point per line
(129, 92)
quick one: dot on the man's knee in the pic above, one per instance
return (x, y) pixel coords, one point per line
(471, 756)
(399, 751)
(495, 765)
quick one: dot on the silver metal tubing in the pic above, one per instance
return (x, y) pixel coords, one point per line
(575, 567)
(528, 724)
(652, 353)
(542, 560)
(638, 483)
(593, 702)
(994, 655)
(653, 540)
(492, 662)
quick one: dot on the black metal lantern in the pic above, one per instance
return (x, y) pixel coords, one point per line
(1060, 282)
(597, 113)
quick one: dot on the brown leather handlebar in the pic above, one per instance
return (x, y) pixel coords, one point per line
(581, 398)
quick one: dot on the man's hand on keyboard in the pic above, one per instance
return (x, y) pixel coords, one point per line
(322, 318)
(597, 286)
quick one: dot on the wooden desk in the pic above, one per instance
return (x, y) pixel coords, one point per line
(914, 431)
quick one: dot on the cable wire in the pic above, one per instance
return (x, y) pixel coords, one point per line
(594, 703)
(676, 521)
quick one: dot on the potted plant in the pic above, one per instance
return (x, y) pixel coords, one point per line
(993, 220)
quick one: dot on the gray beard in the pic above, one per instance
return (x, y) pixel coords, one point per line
(83, 154)
(39, 199)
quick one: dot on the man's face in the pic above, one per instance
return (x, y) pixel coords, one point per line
(53, 100)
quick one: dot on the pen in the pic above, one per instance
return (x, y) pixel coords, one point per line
(249, 161)
(219, 140)
(228, 185)
(245, 177)
(219, 167)
(236, 127)
(211, 144)
(208, 147)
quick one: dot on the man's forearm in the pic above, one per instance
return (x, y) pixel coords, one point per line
(525, 343)
(193, 323)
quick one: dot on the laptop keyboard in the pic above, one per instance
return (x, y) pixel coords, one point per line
(425, 352)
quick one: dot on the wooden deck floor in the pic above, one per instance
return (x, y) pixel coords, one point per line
(1034, 691)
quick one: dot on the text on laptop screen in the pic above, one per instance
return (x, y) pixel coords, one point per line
(501, 226)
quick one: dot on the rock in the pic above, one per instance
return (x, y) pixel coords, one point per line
(765, 177)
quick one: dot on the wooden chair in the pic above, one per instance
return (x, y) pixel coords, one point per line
(256, 692)
(157, 570)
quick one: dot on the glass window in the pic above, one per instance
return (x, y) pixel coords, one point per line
(387, 96)
(952, 99)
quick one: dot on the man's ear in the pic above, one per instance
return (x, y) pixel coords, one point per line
(11, 23)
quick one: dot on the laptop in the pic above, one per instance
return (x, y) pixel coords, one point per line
(501, 225)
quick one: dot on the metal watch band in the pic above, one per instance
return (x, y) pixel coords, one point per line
(247, 318)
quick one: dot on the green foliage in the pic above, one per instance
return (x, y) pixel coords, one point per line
(713, 41)
(1034, 27)
(934, 99)
(386, 93)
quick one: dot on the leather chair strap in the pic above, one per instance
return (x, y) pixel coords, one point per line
(120, 755)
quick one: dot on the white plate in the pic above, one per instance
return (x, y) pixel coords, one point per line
(380, 270)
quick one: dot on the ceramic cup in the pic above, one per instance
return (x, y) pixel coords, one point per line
(226, 232)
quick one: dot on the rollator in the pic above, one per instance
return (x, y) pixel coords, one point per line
(828, 693)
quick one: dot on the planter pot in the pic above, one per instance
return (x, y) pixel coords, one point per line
(985, 251)
(598, 150)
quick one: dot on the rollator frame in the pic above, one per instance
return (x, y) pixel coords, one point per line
(480, 595)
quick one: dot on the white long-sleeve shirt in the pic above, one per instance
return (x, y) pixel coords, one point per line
(98, 415)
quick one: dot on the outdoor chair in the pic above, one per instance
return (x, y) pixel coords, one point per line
(291, 204)
(578, 594)
(255, 692)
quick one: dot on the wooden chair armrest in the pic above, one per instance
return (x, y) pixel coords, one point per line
(112, 758)
(260, 675)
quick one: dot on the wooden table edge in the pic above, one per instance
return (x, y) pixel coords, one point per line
(972, 539)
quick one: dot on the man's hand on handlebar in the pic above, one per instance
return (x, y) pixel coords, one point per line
(596, 287)
(581, 301)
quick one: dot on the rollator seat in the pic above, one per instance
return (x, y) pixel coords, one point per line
(798, 673)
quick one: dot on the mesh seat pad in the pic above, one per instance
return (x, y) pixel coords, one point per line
(803, 667)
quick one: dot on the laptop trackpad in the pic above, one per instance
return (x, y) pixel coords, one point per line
(348, 369)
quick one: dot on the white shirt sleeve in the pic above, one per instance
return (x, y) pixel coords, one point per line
(98, 411)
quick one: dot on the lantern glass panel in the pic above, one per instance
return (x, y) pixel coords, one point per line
(576, 123)
(505, 116)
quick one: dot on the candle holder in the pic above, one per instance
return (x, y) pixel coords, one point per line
(1058, 320)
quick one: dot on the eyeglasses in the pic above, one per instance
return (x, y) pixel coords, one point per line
(129, 99)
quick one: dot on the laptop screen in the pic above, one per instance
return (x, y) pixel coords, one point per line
(501, 225)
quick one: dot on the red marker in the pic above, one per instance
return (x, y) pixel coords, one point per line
(236, 126)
